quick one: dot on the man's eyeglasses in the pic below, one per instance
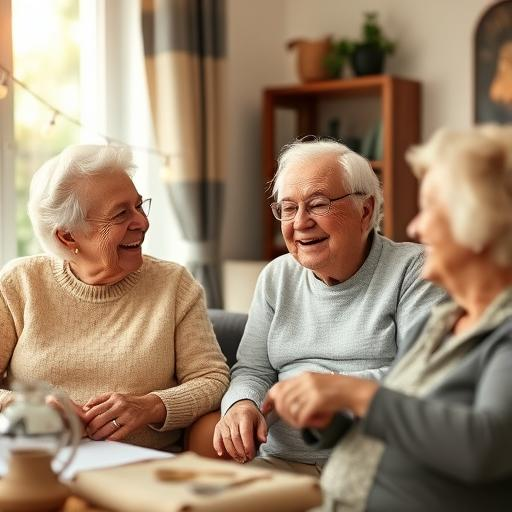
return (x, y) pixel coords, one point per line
(317, 205)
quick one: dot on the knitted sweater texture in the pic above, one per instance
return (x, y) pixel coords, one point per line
(147, 333)
(297, 324)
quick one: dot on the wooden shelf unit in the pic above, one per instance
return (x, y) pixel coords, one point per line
(400, 101)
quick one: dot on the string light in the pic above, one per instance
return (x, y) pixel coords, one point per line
(53, 120)
(51, 123)
(6, 74)
(165, 171)
(4, 89)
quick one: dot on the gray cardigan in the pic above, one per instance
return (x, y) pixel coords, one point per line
(451, 450)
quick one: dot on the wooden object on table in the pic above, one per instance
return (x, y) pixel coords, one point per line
(400, 117)
(137, 488)
(30, 484)
(75, 504)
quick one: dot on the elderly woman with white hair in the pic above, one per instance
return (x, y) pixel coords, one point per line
(341, 301)
(126, 336)
(436, 434)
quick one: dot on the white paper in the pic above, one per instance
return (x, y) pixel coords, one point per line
(101, 454)
(105, 454)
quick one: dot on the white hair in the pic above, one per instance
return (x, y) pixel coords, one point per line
(54, 202)
(356, 172)
(474, 175)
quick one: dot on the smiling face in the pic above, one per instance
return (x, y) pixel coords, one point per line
(445, 257)
(110, 246)
(333, 246)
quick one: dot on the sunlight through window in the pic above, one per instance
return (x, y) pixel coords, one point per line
(46, 56)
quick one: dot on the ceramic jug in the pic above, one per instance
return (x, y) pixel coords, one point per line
(35, 428)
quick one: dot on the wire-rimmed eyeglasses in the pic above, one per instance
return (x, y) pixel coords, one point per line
(125, 214)
(318, 205)
(145, 206)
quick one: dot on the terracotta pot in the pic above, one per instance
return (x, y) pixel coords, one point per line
(30, 484)
(311, 58)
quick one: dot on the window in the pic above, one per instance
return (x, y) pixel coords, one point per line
(85, 59)
(46, 55)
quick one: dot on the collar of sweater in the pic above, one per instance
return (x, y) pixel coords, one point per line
(89, 292)
(360, 278)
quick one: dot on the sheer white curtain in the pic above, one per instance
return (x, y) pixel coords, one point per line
(115, 102)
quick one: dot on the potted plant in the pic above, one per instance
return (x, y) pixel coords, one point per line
(336, 57)
(367, 55)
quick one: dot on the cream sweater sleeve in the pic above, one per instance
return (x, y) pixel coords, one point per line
(8, 340)
(201, 370)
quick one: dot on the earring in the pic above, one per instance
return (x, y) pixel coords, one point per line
(76, 251)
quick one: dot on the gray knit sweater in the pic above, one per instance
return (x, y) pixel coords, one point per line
(297, 323)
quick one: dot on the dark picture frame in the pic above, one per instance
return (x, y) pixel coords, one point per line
(493, 64)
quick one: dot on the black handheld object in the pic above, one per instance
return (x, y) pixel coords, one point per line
(327, 437)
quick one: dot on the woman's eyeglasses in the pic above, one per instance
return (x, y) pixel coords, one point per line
(125, 214)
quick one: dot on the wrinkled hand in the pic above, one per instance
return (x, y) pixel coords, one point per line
(235, 433)
(311, 399)
(77, 409)
(130, 412)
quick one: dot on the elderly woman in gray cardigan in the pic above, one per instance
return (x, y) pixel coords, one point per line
(437, 433)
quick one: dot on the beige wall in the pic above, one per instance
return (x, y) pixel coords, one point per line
(255, 59)
(435, 39)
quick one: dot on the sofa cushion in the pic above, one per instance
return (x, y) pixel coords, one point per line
(228, 327)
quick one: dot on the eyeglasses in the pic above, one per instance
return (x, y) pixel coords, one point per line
(318, 206)
(145, 206)
(125, 214)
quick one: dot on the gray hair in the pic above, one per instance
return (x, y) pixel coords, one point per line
(356, 172)
(475, 177)
(54, 200)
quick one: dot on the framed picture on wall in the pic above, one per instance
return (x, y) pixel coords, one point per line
(493, 64)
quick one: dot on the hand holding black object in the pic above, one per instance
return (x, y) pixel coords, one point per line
(329, 436)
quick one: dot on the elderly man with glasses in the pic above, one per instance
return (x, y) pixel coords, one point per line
(341, 301)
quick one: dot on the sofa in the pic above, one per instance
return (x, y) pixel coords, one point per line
(228, 328)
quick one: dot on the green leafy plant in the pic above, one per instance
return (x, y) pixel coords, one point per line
(337, 56)
(372, 35)
(343, 49)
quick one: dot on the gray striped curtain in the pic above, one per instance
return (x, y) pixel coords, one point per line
(184, 47)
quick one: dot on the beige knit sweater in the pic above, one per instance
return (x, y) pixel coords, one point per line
(148, 333)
